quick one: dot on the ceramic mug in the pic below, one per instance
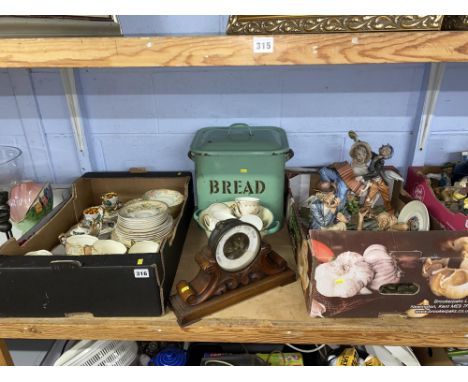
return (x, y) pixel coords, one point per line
(93, 218)
(93, 214)
(247, 205)
(110, 200)
(79, 245)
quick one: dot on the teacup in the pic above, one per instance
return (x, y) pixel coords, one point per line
(108, 247)
(247, 205)
(94, 213)
(211, 219)
(144, 246)
(93, 218)
(110, 200)
(79, 245)
(216, 208)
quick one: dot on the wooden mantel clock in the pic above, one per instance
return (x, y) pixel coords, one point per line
(235, 265)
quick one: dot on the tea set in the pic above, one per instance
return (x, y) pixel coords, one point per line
(247, 209)
(116, 228)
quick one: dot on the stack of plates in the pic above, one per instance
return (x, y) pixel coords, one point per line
(141, 221)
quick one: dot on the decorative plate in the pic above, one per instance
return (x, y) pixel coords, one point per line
(415, 213)
(143, 209)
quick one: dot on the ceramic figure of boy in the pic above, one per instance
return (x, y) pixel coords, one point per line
(360, 153)
(444, 178)
(348, 177)
(329, 175)
(376, 176)
(324, 209)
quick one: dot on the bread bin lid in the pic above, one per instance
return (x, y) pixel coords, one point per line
(240, 138)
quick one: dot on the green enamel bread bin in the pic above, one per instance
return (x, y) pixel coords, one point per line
(241, 160)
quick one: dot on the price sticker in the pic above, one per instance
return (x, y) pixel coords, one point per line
(141, 273)
(263, 44)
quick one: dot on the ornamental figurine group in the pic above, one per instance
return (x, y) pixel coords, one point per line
(451, 186)
(347, 193)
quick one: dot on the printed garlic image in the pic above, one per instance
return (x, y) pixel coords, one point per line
(384, 266)
(346, 276)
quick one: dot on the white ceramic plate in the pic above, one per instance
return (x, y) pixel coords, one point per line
(143, 210)
(170, 197)
(417, 210)
(132, 201)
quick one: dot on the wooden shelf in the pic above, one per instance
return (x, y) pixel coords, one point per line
(251, 322)
(338, 48)
(278, 316)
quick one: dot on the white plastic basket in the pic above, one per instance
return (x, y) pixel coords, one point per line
(100, 353)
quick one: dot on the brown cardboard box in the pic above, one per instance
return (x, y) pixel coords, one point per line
(410, 252)
(107, 285)
(433, 356)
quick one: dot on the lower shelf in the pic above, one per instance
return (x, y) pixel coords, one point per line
(237, 324)
(277, 316)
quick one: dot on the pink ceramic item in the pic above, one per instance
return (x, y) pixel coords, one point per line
(22, 196)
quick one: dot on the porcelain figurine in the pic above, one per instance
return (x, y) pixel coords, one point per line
(444, 178)
(360, 153)
(378, 178)
(324, 209)
(330, 175)
(348, 177)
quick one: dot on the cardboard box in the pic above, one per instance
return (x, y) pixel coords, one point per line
(106, 285)
(433, 356)
(410, 252)
(420, 188)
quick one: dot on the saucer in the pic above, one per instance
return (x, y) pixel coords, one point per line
(418, 211)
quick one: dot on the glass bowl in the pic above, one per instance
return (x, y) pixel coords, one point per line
(11, 166)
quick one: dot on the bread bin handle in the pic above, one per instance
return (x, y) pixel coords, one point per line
(239, 125)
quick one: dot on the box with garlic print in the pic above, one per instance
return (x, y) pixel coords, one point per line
(366, 274)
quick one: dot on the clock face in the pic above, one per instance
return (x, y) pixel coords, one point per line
(237, 247)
